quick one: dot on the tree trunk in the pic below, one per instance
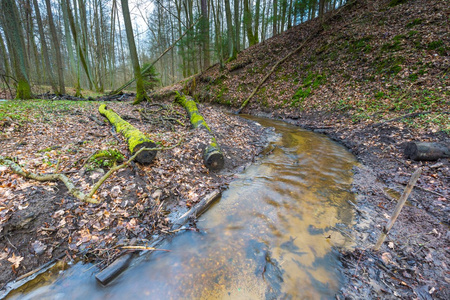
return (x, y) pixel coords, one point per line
(230, 32)
(140, 91)
(135, 138)
(248, 23)
(55, 40)
(275, 17)
(426, 151)
(44, 46)
(212, 155)
(205, 33)
(236, 42)
(12, 28)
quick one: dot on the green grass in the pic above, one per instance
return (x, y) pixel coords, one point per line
(438, 46)
(414, 23)
(390, 66)
(29, 110)
(311, 81)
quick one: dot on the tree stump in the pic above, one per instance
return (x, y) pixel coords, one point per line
(212, 155)
(135, 138)
(426, 151)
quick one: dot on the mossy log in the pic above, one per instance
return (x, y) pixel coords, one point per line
(135, 138)
(212, 155)
(426, 151)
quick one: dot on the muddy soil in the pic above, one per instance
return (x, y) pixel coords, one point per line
(41, 221)
(413, 261)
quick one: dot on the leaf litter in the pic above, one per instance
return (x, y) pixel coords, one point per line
(41, 220)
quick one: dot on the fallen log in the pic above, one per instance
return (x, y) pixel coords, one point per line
(212, 155)
(109, 273)
(135, 138)
(426, 151)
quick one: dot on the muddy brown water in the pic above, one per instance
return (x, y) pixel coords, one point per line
(273, 234)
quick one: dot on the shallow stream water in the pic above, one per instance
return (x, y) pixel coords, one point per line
(270, 236)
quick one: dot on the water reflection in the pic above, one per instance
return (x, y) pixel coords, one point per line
(270, 236)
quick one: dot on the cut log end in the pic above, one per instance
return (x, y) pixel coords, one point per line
(214, 160)
(145, 157)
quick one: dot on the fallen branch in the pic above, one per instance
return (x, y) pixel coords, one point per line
(68, 183)
(415, 176)
(244, 104)
(47, 177)
(143, 248)
(412, 115)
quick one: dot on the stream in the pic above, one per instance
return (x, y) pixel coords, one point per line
(271, 235)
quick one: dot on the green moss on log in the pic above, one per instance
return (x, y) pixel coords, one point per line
(135, 138)
(212, 155)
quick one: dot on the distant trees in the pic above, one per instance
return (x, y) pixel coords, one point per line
(80, 43)
(16, 47)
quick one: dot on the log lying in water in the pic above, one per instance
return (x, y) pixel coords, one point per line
(135, 138)
(212, 154)
(426, 151)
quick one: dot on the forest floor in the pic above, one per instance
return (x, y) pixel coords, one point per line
(374, 78)
(41, 221)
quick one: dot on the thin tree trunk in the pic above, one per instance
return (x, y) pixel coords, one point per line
(230, 33)
(12, 28)
(275, 17)
(55, 41)
(204, 23)
(140, 91)
(44, 46)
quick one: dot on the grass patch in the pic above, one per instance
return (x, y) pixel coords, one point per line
(311, 81)
(393, 3)
(438, 46)
(29, 110)
(362, 45)
(414, 23)
(390, 66)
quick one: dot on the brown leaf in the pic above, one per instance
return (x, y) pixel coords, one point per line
(15, 260)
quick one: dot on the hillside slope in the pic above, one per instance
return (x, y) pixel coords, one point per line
(370, 61)
(374, 78)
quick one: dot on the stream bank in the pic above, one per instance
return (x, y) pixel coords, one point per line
(413, 262)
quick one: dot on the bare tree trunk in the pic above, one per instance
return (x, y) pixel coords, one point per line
(237, 41)
(230, 33)
(55, 41)
(3, 52)
(12, 27)
(248, 23)
(204, 23)
(44, 46)
(275, 17)
(140, 91)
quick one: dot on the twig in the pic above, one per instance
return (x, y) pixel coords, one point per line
(425, 190)
(415, 176)
(116, 168)
(144, 248)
